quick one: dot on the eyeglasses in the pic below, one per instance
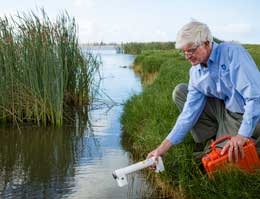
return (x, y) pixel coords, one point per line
(190, 51)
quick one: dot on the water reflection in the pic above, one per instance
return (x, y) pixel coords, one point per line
(39, 162)
(75, 161)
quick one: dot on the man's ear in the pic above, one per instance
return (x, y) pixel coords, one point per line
(206, 43)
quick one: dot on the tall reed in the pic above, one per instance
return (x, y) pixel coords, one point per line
(42, 68)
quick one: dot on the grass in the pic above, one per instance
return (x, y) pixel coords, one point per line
(42, 69)
(149, 117)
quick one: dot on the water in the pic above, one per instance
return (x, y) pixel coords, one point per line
(74, 162)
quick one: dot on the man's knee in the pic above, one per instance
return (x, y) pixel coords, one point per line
(180, 92)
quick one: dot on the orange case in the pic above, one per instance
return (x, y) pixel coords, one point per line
(214, 161)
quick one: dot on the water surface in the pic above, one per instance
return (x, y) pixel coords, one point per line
(75, 161)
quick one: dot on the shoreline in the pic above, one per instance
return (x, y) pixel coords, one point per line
(148, 118)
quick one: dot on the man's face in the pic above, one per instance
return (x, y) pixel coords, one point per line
(196, 54)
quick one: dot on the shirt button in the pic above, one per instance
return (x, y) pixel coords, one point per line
(223, 66)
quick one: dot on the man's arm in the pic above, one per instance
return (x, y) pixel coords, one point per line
(191, 112)
(160, 150)
(193, 107)
(246, 78)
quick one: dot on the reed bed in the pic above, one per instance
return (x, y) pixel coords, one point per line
(42, 68)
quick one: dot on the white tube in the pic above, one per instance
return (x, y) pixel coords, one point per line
(120, 174)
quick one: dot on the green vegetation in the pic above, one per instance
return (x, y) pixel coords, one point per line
(42, 69)
(254, 51)
(149, 117)
(137, 48)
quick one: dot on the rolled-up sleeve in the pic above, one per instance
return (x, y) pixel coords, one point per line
(192, 109)
(246, 78)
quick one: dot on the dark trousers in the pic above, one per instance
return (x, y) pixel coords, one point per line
(215, 120)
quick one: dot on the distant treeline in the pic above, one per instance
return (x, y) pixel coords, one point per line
(137, 48)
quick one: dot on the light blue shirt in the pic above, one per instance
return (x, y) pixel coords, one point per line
(231, 76)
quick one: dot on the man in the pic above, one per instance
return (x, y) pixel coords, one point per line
(222, 97)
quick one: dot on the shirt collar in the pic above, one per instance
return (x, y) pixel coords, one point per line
(213, 54)
(212, 57)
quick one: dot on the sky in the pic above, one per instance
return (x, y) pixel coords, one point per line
(149, 20)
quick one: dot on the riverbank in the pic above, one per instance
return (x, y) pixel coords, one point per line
(149, 117)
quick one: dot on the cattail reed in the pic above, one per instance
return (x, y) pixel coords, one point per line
(42, 68)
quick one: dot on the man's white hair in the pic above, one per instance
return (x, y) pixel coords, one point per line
(193, 33)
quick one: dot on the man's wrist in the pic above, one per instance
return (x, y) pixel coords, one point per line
(164, 147)
(243, 136)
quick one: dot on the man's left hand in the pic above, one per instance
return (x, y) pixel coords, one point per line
(235, 146)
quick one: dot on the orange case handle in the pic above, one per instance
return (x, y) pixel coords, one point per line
(213, 144)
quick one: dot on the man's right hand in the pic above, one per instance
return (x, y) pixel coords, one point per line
(154, 153)
(159, 151)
